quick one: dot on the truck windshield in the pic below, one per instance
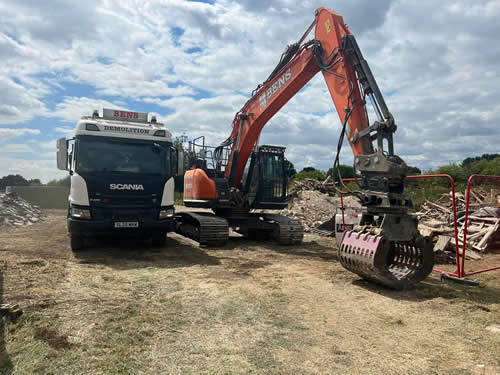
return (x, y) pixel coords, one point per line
(98, 154)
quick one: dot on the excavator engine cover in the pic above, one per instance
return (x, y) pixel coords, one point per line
(395, 264)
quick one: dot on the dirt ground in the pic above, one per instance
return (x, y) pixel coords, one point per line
(248, 307)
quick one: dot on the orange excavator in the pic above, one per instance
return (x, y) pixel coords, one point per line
(240, 175)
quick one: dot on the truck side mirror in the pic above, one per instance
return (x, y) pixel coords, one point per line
(62, 154)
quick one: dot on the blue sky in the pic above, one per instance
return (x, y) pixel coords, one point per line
(195, 63)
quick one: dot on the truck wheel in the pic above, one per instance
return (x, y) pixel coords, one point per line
(159, 240)
(77, 243)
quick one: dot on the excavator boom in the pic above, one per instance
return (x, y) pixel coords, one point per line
(324, 53)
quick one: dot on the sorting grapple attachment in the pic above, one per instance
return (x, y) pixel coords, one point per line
(395, 264)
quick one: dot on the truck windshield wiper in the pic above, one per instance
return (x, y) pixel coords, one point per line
(129, 172)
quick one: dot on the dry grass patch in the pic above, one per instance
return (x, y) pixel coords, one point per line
(248, 307)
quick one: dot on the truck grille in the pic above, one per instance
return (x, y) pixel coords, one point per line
(118, 214)
(125, 201)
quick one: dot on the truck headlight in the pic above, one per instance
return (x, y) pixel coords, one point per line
(80, 213)
(166, 213)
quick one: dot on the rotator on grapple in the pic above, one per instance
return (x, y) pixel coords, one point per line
(386, 247)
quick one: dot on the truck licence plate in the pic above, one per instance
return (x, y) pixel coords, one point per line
(126, 224)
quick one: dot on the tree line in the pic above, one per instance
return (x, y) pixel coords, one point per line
(18, 180)
(487, 164)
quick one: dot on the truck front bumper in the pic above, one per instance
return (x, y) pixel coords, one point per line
(98, 228)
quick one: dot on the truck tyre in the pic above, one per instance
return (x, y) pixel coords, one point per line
(159, 240)
(77, 243)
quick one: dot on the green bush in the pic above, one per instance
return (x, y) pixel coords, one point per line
(179, 198)
(308, 172)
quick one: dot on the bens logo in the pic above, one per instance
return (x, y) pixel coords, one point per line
(126, 187)
(275, 87)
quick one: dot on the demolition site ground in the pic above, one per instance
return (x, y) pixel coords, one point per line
(124, 307)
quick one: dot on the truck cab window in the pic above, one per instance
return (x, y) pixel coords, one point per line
(116, 155)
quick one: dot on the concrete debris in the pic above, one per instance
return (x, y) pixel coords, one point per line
(17, 212)
(495, 328)
(312, 207)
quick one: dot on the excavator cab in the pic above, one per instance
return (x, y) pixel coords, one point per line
(265, 179)
(263, 185)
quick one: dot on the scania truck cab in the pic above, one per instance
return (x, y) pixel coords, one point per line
(122, 170)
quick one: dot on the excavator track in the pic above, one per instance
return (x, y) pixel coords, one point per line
(205, 228)
(395, 264)
(286, 231)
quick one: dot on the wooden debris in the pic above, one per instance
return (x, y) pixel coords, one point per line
(483, 227)
(442, 243)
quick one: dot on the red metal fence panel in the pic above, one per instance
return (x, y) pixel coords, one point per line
(467, 202)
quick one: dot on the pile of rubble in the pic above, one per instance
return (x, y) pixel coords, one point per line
(15, 211)
(313, 203)
(310, 184)
(483, 227)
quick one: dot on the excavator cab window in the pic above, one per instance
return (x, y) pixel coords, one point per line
(246, 171)
(272, 176)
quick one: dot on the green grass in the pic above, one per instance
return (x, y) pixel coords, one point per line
(419, 194)
(178, 198)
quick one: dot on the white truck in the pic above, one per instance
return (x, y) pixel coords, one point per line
(122, 169)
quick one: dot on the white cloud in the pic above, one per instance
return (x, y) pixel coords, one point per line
(442, 77)
(43, 169)
(71, 109)
(68, 132)
(16, 132)
(211, 117)
(48, 145)
(18, 102)
(15, 148)
(48, 155)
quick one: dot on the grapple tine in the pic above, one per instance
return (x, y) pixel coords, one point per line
(395, 264)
